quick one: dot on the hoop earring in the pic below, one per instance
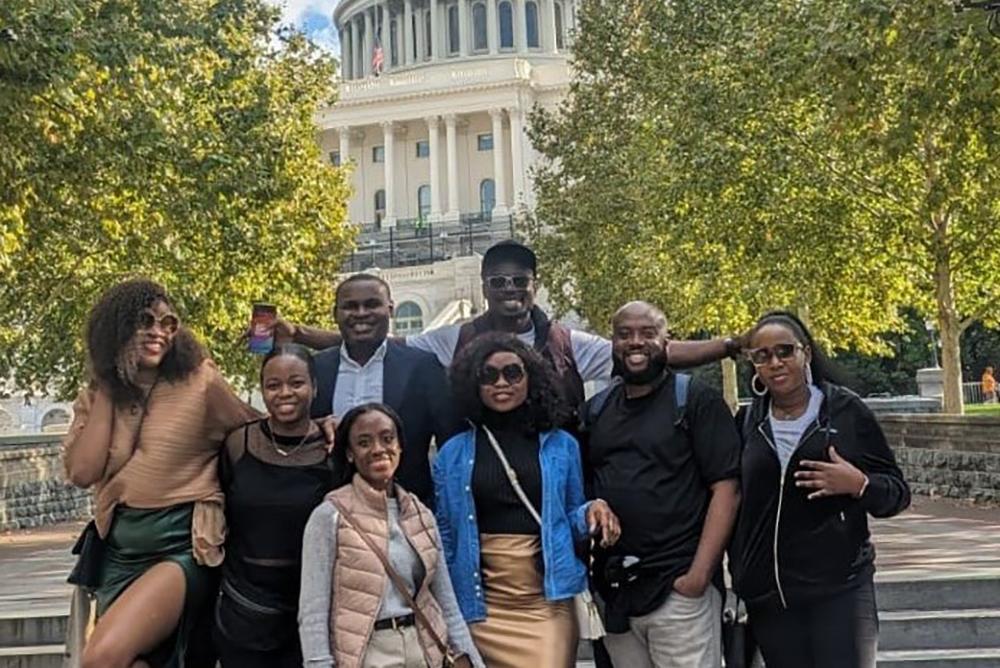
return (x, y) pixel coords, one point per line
(761, 390)
(809, 375)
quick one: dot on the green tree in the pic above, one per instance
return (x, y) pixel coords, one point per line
(168, 138)
(827, 156)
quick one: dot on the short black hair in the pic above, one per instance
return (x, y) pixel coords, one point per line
(291, 350)
(113, 322)
(546, 407)
(509, 251)
(343, 470)
(360, 278)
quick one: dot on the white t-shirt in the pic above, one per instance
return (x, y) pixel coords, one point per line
(788, 433)
(592, 353)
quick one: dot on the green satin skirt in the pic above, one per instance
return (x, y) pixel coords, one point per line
(139, 539)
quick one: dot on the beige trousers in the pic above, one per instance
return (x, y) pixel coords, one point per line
(395, 648)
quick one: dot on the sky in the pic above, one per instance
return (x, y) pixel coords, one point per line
(314, 18)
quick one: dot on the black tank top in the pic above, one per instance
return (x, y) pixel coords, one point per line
(269, 498)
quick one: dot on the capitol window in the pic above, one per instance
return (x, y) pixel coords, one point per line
(485, 142)
(409, 319)
(378, 153)
(423, 148)
(480, 35)
(506, 12)
(335, 158)
(453, 25)
(393, 32)
(424, 201)
(560, 40)
(531, 19)
(487, 197)
(379, 207)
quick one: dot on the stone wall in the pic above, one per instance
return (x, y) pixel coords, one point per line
(948, 455)
(33, 490)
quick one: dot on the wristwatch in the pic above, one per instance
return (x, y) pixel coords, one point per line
(733, 348)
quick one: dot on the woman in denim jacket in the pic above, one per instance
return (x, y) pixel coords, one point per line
(514, 576)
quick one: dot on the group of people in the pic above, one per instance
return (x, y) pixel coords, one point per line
(325, 533)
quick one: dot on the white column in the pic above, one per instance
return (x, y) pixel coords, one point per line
(433, 140)
(420, 37)
(369, 43)
(345, 51)
(407, 32)
(463, 28)
(388, 142)
(549, 24)
(358, 57)
(492, 26)
(452, 139)
(517, 156)
(499, 166)
(435, 32)
(520, 27)
(384, 35)
(345, 145)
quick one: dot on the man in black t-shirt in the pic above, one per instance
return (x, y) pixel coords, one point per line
(673, 482)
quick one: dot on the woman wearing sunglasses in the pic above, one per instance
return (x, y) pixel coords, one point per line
(815, 464)
(146, 435)
(510, 544)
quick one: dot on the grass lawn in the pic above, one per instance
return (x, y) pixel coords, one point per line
(982, 409)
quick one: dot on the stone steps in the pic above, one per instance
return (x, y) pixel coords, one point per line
(32, 656)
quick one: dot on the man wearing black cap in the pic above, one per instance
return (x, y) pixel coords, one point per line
(509, 271)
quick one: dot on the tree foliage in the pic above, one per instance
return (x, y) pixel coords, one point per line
(167, 138)
(738, 156)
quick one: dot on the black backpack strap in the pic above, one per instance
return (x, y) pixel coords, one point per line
(593, 408)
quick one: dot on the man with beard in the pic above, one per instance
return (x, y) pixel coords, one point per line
(369, 367)
(664, 452)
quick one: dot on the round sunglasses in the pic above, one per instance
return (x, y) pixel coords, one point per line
(168, 322)
(512, 373)
(783, 351)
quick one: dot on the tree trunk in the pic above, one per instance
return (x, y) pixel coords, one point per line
(950, 329)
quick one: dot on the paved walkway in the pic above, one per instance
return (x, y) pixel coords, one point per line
(933, 539)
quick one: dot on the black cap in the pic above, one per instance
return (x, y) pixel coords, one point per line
(509, 251)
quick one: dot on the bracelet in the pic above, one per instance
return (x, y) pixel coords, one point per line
(733, 348)
(864, 488)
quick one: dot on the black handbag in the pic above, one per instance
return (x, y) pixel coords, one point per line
(738, 645)
(90, 549)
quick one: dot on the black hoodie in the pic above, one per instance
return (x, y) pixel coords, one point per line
(788, 550)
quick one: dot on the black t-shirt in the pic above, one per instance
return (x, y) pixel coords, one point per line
(656, 477)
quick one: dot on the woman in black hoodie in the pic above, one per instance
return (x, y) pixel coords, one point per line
(815, 464)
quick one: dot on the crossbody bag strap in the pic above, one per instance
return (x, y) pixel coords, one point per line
(512, 475)
(396, 578)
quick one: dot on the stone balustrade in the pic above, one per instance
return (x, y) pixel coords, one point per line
(33, 488)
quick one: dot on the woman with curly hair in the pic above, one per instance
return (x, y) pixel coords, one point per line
(146, 435)
(511, 507)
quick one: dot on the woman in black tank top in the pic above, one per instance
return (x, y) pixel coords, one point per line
(274, 472)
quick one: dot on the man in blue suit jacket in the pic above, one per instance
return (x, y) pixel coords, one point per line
(369, 367)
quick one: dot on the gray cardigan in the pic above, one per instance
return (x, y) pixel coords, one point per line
(319, 550)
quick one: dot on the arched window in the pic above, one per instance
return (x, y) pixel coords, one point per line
(428, 41)
(379, 206)
(55, 419)
(424, 201)
(531, 21)
(393, 51)
(480, 35)
(560, 40)
(409, 319)
(453, 26)
(487, 197)
(506, 11)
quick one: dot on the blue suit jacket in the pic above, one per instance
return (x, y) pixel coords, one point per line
(415, 386)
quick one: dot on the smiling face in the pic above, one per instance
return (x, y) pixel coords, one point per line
(638, 344)
(154, 334)
(509, 289)
(784, 376)
(362, 312)
(374, 449)
(503, 382)
(287, 388)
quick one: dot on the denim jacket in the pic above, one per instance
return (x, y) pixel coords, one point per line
(564, 518)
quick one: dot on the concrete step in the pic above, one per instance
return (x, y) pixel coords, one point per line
(944, 594)
(32, 656)
(33, 630)
(941, 658)
(939, 629)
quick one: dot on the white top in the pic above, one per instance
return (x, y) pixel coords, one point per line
(592, 353)
(788, 433)
(358, 384)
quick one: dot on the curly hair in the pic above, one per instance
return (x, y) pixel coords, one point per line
(343, 470)
(545, 405)
(111, 326)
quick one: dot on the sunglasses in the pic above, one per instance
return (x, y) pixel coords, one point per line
(783, 351)
(168, 322)
(501, 282)
(512, 373)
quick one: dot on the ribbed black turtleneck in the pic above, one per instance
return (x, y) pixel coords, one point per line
(498, 508)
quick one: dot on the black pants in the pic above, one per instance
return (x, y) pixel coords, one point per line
(232, 656)
(836, 632)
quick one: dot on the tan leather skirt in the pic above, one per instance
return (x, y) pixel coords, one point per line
(522, 629)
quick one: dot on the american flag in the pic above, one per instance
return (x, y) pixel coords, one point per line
(378, 58)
